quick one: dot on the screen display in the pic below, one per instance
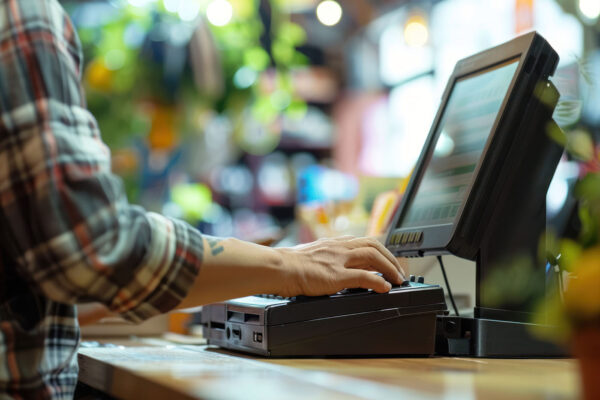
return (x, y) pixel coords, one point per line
(468, 118)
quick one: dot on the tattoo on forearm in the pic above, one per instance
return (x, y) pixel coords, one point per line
(215, 245)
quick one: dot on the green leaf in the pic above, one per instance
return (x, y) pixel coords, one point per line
(297, 109)
(570, 251)
(589, 226)
(545, 96)
(291, 33)
(588, 187)
(280, 99)
(580, 145)
(556, 134)
(263, 110)
(256, 58)
(300, 59)
(283, 53)
(550, 320)
(548, 248)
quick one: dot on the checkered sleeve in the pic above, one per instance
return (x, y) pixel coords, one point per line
(64, 214)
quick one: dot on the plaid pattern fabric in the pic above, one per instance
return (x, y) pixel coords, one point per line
(67, 233)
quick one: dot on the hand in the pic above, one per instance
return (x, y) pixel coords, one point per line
(330, 265)
(235, 268)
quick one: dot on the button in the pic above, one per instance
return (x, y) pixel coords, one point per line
(421, 279)
(411, 237)
(419, 237)
(396, 238)
(404, 238)
(412, 278)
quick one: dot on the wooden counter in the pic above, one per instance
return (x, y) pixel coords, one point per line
(158, 369)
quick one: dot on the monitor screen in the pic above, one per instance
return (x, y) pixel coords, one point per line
(460, 139)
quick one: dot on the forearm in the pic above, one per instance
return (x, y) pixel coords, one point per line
(234, 268)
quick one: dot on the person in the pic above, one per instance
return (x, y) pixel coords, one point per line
(68, 234)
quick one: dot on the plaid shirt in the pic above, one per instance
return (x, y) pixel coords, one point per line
(67, 233)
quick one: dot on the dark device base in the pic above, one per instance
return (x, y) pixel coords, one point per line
(355, 323)
(490, 338)
(373, 334)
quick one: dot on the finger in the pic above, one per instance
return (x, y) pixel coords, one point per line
(376, 244)
(356, 278)
(370, 257)
(403, 261)
(344, 238)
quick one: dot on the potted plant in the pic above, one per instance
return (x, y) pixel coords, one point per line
(571, 305)
(575, 309)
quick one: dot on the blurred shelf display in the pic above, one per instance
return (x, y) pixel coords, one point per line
(231, 114)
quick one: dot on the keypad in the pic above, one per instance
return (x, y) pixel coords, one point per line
(403, 238)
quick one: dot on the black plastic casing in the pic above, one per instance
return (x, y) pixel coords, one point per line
(401, 322)
(502, 159)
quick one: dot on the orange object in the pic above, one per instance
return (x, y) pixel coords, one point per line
(383, 210)
(178, 322)
(586, 347)
(523, 15)
(163, 135)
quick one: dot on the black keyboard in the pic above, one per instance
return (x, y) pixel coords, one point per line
(344, 292)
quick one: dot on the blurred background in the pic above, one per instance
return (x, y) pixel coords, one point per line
(253, 118)
(281, 121)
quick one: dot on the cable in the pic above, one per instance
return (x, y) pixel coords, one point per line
(448, 286)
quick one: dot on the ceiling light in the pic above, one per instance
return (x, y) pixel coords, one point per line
(416, 32)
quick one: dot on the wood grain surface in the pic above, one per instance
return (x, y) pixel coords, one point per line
(158, 369)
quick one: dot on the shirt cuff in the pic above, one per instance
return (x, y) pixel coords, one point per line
(172, 264)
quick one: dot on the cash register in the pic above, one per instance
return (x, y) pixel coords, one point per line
(477, 192)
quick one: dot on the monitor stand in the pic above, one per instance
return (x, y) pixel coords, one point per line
(500, 331)
(514, 229)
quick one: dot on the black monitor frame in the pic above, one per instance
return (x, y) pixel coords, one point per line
(537, 61)
(503, 214)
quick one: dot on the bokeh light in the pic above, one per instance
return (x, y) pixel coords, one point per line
(188, 10)
(329, 12)
(114, 59)
(590, 9)
(244, 77)
(416, 32)
(171, 5)
(219, 12)
(141, 3)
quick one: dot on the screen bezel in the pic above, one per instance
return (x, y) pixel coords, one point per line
(436, 238)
